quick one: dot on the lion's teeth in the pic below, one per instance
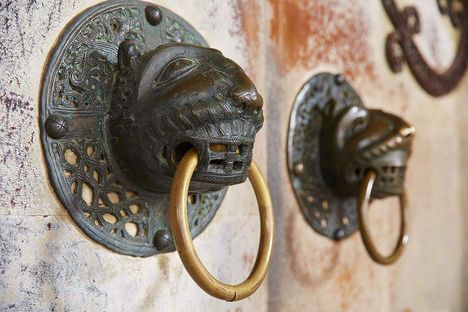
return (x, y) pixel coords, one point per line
(407, 131)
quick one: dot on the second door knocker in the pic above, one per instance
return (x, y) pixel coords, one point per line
(341, 155)
(143, 129)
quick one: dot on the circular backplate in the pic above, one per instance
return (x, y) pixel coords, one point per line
(74, 104)
(329, 215)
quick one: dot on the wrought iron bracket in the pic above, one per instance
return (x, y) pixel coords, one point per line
(333, 142)
(130, 87)
(401, 48)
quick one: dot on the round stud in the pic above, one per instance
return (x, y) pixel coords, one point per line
(298, 169)
(339, 234)
(56, 126)
(153, 15)
(162, 239)
(339, 79)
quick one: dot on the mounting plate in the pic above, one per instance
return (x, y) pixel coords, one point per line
(329, 215)
(75, 94)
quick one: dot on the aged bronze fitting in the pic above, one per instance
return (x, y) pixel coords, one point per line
(355, 140)
(129, 88)
(334, 143)
(401, 47)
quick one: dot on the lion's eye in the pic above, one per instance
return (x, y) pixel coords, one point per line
(358, 125)
(175, 69)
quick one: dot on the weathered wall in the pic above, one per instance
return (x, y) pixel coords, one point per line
(311, 273)
(47, 263)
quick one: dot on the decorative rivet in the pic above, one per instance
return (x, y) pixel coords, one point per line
(339, 234)
(298, 169)
(153, 15)
(162, 239)
(339, 79)
(56, 126)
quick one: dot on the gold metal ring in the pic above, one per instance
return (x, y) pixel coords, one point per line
(363, 209)
(183, 239)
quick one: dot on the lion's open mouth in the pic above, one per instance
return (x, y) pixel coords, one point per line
(389, 159)
(228, 158)
(389, 181)
(223, 161)
(390, 168)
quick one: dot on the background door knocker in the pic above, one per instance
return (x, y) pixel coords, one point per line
(400, 46)
(341, 155)
(133, 102)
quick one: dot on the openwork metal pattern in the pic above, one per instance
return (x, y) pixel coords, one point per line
(74, 107)
(401, 47)
(85, 72)
(99, 194)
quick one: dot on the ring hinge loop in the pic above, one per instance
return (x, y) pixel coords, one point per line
(362, 212)
(183, 239)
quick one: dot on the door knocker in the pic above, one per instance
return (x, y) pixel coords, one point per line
(341, 155)
(400, 46)
(140, 119)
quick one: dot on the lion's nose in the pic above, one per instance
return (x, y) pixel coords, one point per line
(245, 93)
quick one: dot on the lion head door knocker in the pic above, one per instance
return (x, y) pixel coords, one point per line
(140, 119)
(341, 155)
(401, 47)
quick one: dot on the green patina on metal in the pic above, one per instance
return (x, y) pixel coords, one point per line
(114, 125)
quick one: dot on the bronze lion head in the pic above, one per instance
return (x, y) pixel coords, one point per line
(355, 140)
(177, 97)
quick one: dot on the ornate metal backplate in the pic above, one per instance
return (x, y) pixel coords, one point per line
(75, 96)
(401, 48)
(328, 214)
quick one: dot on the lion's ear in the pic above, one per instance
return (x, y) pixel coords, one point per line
(127, 54)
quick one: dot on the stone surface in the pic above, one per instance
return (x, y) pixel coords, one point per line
(49, 265)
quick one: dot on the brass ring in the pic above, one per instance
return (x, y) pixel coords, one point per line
(362, 212)
(183, 239)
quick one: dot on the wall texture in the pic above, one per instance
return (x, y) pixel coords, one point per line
(48, 264)
(311, 273)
